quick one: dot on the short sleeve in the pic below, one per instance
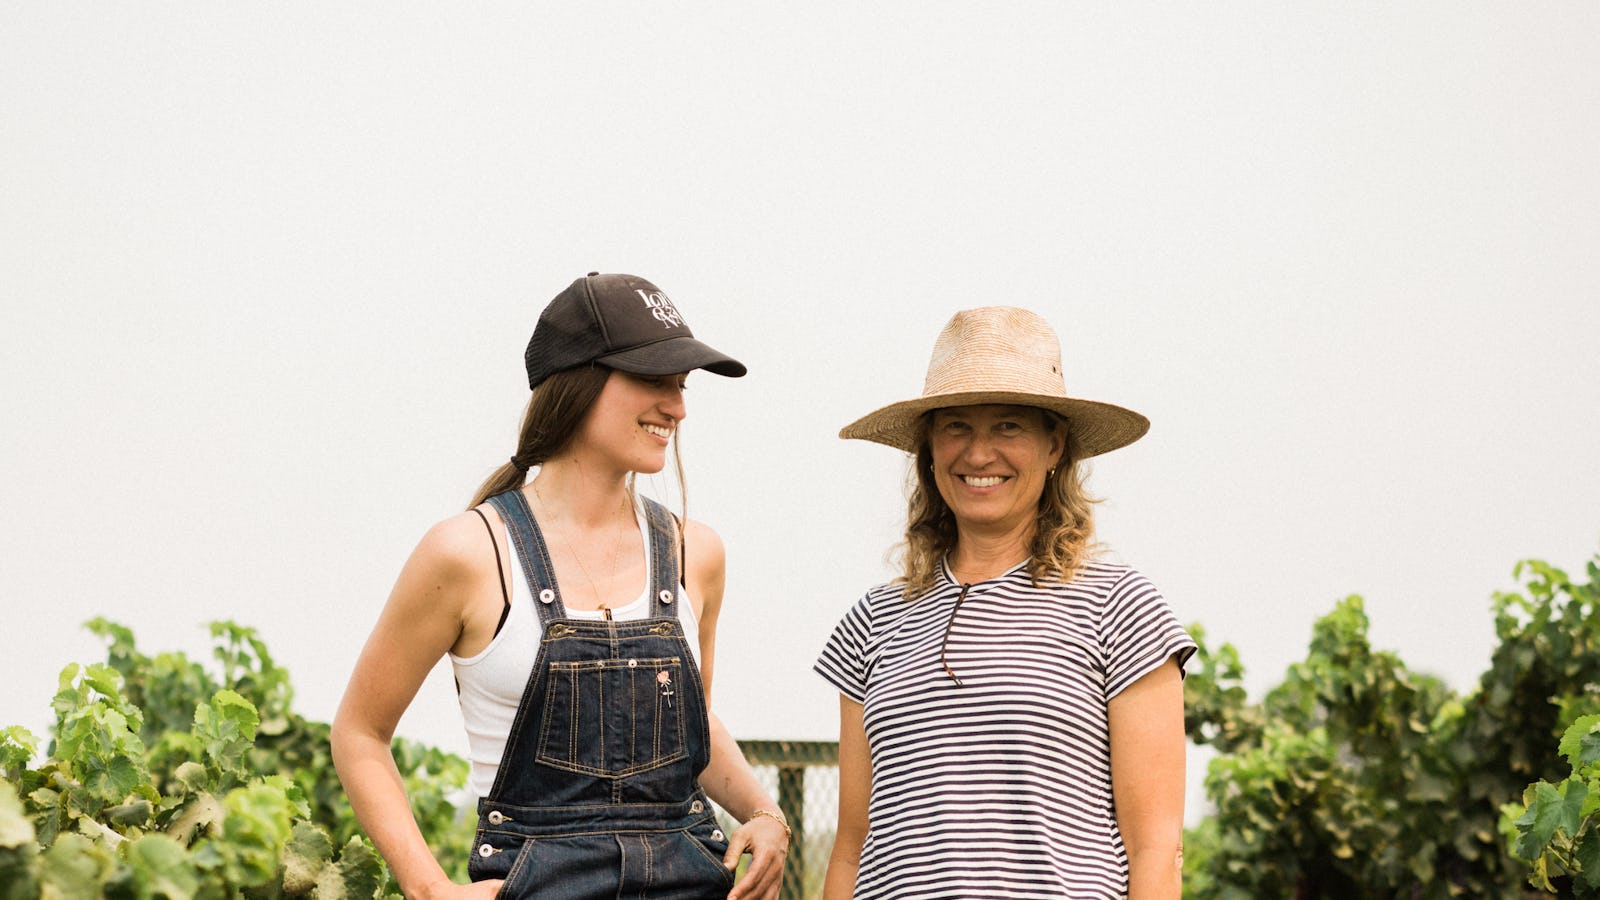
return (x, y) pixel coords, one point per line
(1139, 632)
(843, 662)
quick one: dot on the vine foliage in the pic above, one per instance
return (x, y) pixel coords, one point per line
(1357, 777)
(166, 778)
(1556, 828)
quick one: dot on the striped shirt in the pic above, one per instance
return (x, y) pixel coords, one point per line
(999, 786)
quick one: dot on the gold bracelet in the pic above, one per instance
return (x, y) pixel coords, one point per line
(775, 816)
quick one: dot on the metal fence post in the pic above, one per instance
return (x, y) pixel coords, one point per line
(792, 798)
(790, 760)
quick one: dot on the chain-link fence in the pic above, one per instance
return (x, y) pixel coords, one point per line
(804, 776)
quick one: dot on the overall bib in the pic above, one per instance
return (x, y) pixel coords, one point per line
(596, 796)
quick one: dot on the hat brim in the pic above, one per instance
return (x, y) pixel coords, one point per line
(673, 355)
(1096, 427)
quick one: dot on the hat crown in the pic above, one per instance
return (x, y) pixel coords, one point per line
(996, 348)
(620, 321)
(999, 354)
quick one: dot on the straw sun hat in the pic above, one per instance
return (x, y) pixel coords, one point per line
(1000, 355)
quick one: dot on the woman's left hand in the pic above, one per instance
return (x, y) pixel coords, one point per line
(767, 842)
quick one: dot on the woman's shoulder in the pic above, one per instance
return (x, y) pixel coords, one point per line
(457, 546)
(893, 589)
(704, 554)
(1104, 571)
(450, 576)
(881, 600)
(1104, 579)
(698, 537)
(705, 564)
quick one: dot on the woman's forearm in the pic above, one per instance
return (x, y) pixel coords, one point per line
(1147, 756)
(844, 864)
(729, 780)
(855, 795)
(377, 795)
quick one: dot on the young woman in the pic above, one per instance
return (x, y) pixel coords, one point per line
(1011, 711)
(580, 620)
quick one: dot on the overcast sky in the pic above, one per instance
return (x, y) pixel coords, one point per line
(267, 272)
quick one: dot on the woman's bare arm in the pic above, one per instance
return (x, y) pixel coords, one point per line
(855, 792)
(1147, 777)
(728, 778)
(422, 620)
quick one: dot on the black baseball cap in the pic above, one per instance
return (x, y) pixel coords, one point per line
(619, 321)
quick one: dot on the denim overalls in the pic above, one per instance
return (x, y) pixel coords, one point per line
(597, 793)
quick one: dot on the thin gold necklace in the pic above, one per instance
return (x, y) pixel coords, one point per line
(594, 590)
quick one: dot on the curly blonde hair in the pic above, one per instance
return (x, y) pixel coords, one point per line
(1062, 541)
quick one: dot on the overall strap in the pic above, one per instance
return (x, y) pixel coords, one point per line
(536, 566)
(500, 571)
(663, 562)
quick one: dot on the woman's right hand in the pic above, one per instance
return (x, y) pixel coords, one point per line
(478, 890)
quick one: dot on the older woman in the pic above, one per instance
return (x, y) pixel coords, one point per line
(1011, 710)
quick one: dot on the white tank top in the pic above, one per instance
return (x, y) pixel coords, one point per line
(491, 682)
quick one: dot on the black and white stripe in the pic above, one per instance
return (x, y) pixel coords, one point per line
(999, 786)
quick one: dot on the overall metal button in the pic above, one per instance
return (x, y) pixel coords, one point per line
(697, 807)
(716, 834)
(633, 664)
(666, 596)
(496, 817)
(547, 595)
(485, 851)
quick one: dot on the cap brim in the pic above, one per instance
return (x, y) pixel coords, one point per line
(1096, 427)
(681, 354)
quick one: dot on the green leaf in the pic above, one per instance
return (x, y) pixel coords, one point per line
(48, 814)
(132, 814)
(17, 748)
(161, 868)
(1588, 857)
(236, 709)
(306, 854)
(202, 816)
(120, 637)
(1553, 809)
(15, 829)
(226, 730)
(193, 776)
(112, 779)
(74, 868)
(258, 822)
(1581, 743)
(104, 680)
(360, 869)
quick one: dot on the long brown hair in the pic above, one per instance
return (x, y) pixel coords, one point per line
(555, 410)
(1062, 538)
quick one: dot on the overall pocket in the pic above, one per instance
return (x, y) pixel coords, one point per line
(564, 867)
(613, 717)
(683, 865)
(711, 844)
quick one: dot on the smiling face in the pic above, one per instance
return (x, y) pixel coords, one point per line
(990, 464)
(632, 421)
